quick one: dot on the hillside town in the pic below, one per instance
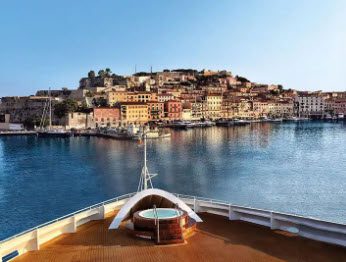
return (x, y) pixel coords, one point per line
(109, 100)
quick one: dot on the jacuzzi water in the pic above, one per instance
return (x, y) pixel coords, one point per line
(161, 213)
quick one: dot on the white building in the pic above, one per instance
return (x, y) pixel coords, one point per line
(307, 105)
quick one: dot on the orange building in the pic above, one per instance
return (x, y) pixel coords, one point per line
(106, 117)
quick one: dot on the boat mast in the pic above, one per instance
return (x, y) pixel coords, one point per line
(145, 163)
(145, 178)
(50, 110)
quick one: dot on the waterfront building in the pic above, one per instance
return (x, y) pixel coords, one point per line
(230, 107)
(134, 113)
(196, 110)
(173, 110)
(261, 107)
(309, 104)
(5, 124)
(244, 110)
(186, 114)
(213, 103)
(106, 117)
(280, 108)
(156, 110)
(336, 105)
(79, 120)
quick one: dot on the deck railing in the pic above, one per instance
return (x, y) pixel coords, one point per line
(312, 228)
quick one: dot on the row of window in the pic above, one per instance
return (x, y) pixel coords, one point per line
(108, 119)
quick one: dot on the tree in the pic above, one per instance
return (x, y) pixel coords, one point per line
(65, 107)
(83, 108)
(31, 122)
(91, 74)
(108, 71)
(99, 102)
(242, 79)
(101, 73)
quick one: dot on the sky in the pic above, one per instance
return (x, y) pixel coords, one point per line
(300, 44)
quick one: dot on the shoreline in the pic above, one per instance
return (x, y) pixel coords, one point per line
(171, 127)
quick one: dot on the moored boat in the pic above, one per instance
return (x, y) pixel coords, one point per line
(49, 131)
(224, 122)
(54, 133)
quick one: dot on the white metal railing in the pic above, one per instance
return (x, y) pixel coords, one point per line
(250, 209)
(312, 228)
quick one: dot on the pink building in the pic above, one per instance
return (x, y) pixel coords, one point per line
(173, 110)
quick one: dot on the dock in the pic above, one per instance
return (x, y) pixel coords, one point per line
(17, 133)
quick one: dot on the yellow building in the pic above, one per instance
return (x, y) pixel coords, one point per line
(116, 97)
(134, 113)
(141, 96)
(213, 103)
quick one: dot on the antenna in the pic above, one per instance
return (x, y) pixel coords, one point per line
(145, 179)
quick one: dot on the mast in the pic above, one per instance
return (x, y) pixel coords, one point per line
(145, 178)
(145, 163)
(50, 110)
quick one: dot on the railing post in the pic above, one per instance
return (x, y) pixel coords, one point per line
(274, 224)
(72, 228)
(74, 224)
(37, 240)
(195, 205)
(233, 215)
(102, 212)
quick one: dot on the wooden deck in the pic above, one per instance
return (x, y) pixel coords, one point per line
(216, 239)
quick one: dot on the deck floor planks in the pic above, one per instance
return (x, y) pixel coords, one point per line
(216, 239)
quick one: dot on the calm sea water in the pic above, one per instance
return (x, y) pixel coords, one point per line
(297, 168)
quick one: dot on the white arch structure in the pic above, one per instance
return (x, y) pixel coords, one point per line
(124, 211)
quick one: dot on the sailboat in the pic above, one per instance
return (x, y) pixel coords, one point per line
(49, 131)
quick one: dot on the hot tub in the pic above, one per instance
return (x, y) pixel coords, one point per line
(162, 213)
(170, 225)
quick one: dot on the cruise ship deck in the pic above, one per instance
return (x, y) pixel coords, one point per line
(216, 239)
